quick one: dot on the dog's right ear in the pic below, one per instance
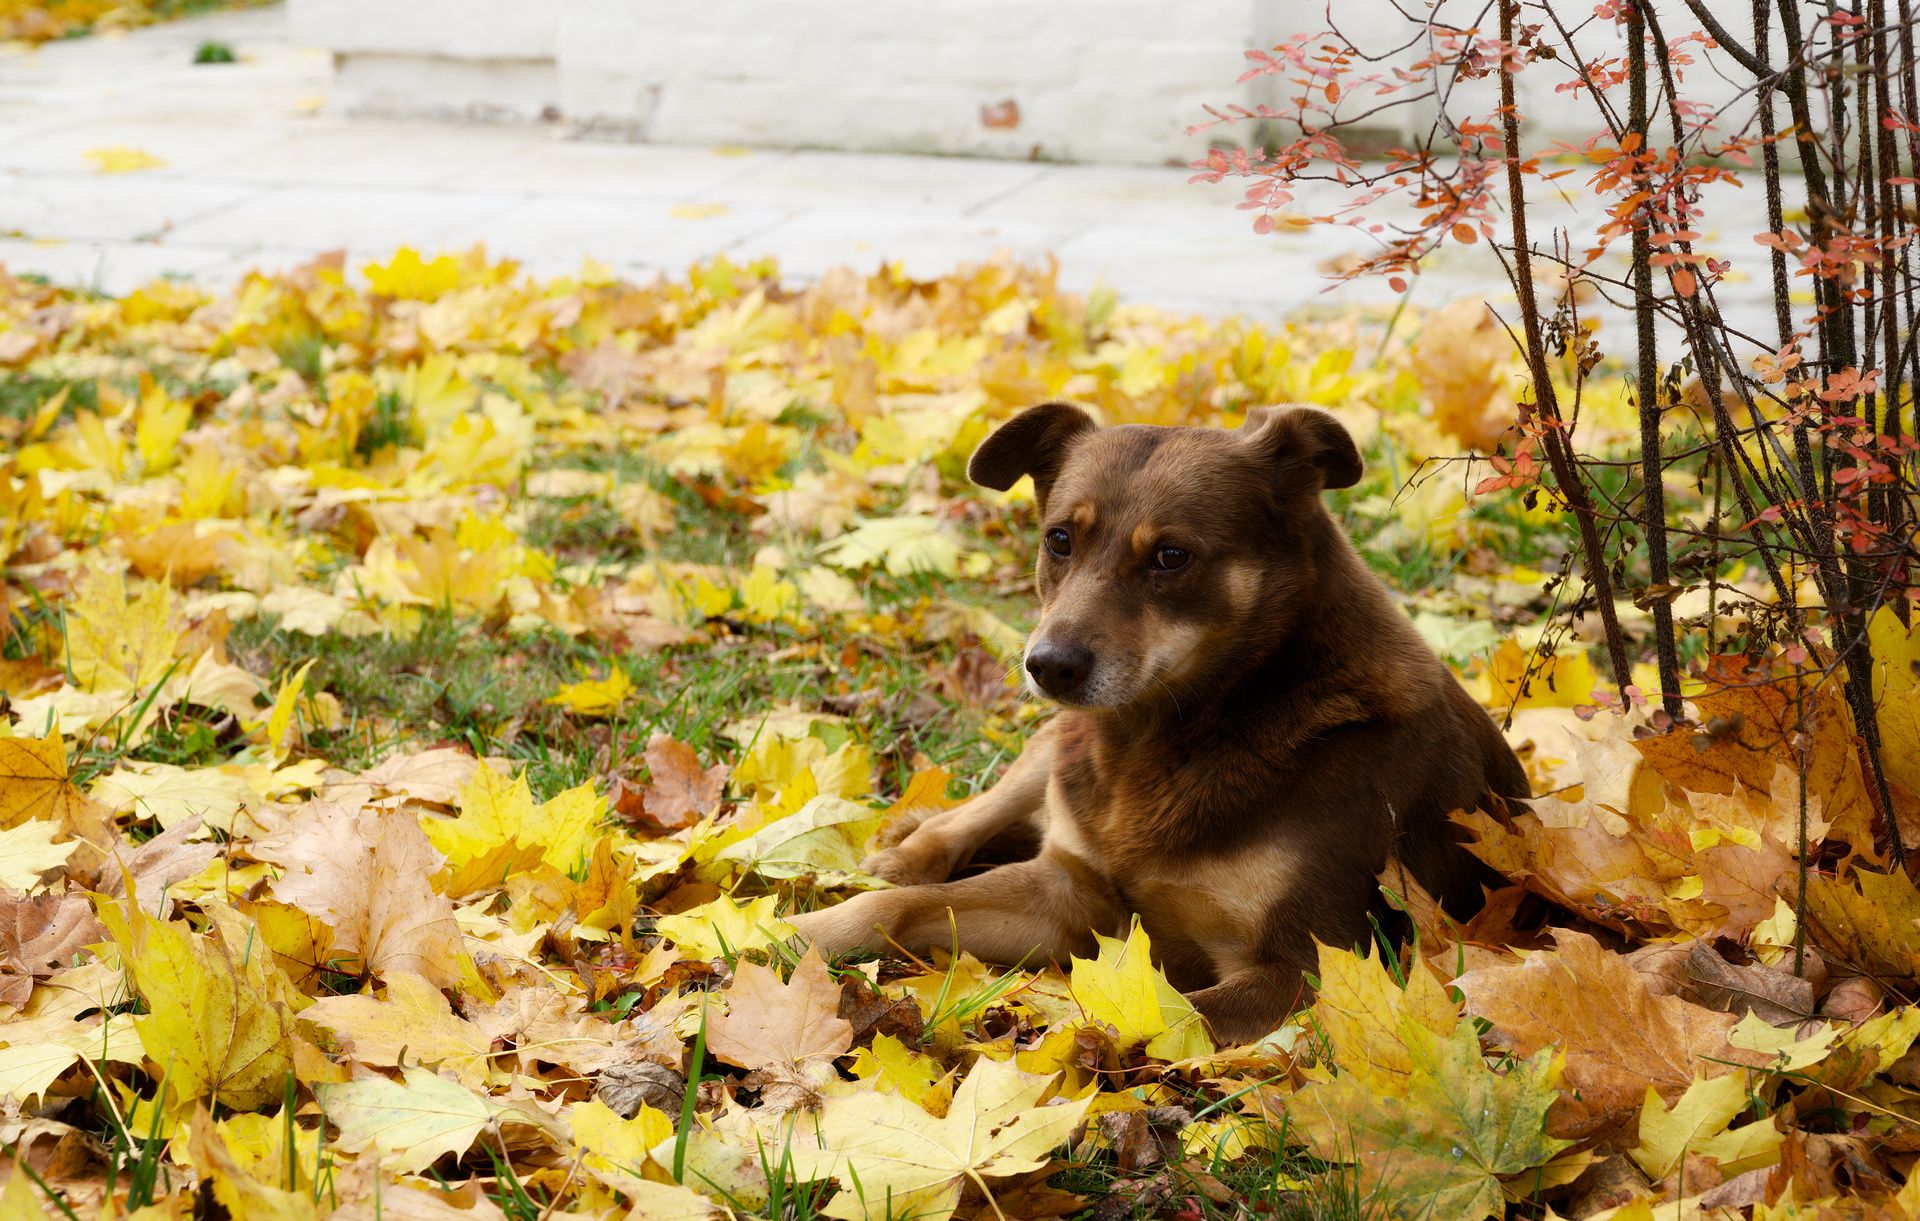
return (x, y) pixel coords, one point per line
(1035, 442)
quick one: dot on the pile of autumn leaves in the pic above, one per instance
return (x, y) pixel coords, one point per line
(415, 989)
(36, 21)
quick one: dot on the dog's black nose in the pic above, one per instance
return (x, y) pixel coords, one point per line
(1059, 668)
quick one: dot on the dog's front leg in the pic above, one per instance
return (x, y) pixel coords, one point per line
(945, 841)
(1037, 911)
(1250, 1003)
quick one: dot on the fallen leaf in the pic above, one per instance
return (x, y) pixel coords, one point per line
(892, 1158)
(365, 873)
(1440, 1148)
(119, 159)
(1121, 987)
(595, 696)
(788, 1033)
(1616, 1037)
(413, 1023)
(723, 927)
(34, 784)
(39, 933)
(415, 1121)
(678, 791)
(495, 810)
(217, 1024)
(28, 851)
(1696, 1125)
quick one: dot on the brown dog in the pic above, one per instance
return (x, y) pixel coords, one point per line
(1251, 725)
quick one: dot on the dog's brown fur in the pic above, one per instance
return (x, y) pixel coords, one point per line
(1252, 726)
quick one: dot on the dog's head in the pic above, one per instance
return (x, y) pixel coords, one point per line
(1170, 558)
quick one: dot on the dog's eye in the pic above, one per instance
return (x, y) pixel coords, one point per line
(1171, 559)
(1059, 543)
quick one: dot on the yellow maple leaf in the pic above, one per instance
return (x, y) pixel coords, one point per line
(1362, 1008)
(1896, 695)
(35, 783)
(768, 598)
(1121, 987)
(115, 642)
(1514, 677)
(595, 696)
(1697, 1125)
(279, 722)
(414, 1122)
(246, 1189)
(216, 1022)
(495, 810)
(159, 423)
(914, 543)
(893, 1159)
(894, 1067)
(411, 1023)
(120, 159)
(409, 277)
(723, 927)
(28, 850)
(612, 1147)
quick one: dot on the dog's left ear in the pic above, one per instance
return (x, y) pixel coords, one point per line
(1310, 449)
(1035, 442)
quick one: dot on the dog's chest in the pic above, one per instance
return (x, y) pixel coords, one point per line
(1204, 907)
(1223, 906)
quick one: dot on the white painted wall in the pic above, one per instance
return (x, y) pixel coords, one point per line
(1089, 80)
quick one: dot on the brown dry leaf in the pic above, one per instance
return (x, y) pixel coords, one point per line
(1871, 923)
(1618, 1038)
(365, 873)
(1755, 724)
(39, 933)
(178, 552)
(536, 1025)
(1779, 998)
(788, 1033)
(169, 857)
(679, 792)
(1466, 363)
(1577, 861)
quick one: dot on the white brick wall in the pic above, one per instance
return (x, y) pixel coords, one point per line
(1093, 80)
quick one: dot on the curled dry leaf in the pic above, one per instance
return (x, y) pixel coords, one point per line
(365, 873)
(1777, 997)
(625, 1088)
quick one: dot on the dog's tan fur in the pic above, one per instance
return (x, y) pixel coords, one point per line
(1251, 729)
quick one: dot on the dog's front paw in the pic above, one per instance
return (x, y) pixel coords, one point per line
(837, 930)
(908, 865)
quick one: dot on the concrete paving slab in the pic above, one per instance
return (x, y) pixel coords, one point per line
(187, 150)
(313, 218)
(881, 182)
(588, 169)
(368, 153)
(116, 208)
